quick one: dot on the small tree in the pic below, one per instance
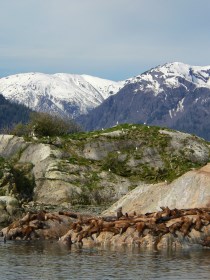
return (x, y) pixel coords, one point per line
(44, 124)
(20, 129)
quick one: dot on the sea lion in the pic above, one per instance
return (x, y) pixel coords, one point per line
(185, 228)
(51, 216)
(206, 216)
(161, 229)
(26, 232)
(198, 224)
(41, 216)
(13, 225)
(119, 213)
(25, 219)
(69, 214)
(140, 226)
(174, 227)
(166, 211)
(109, 226)
(157, 229)
(87, 233)
(193, 211)
(66, 239)
(175, 213)
(163, 219)
(206, 241)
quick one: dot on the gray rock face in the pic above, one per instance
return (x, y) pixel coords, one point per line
(57, 181)
(99, 168)
(10, 145)
(191, 190)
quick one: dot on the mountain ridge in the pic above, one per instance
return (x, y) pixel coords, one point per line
(63, 94)
(175, 95)
(163, 96)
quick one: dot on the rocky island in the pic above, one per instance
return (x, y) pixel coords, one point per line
(159, 178)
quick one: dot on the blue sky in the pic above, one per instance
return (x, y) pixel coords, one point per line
(114, 39)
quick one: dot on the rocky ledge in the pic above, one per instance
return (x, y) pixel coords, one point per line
(169, 228)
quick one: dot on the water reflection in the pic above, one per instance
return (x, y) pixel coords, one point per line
(48, 260)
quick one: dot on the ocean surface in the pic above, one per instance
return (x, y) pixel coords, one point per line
(48, 260)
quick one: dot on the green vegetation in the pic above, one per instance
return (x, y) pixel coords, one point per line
(44, 124)
(153, 157)
(2, 161)
(24, 179)
(97, 163)
(12, 113)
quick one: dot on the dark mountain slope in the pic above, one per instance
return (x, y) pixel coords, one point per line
(11, 113)
(163, 97)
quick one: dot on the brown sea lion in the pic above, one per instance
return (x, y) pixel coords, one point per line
(185, 228)
(198, 224)
(166, 211)
(157, 229)
(175, 213)
(25, 219)
(78, 228)
(41, 216)
(26, 232)
(51, 216)
(206, 217)
(69, 214)
(140, 226)
(14, 233)
(174, 227)
(13, 225)
(108, 226)
(206, 241)
(193, 211)
(119, 212)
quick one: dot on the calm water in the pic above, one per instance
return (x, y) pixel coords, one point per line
(46, 260)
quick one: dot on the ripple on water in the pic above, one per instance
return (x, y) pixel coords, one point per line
(48, 260)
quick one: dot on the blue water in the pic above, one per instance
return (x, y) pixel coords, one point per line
(48, 260)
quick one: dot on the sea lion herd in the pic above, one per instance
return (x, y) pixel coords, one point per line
(166, 221)
(156, 224)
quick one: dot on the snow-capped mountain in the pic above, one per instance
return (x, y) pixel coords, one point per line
(62, 94)
(170, 75)
(175, 95)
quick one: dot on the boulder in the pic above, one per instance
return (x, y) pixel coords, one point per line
(9, 209)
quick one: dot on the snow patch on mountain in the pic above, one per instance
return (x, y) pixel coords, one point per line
(63, 94)
(169, 75)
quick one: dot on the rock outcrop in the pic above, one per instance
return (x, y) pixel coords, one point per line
(190, 190)
(9, 210)
(98, 167)
(168, 228)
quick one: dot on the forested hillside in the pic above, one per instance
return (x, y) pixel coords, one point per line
(12, 113)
